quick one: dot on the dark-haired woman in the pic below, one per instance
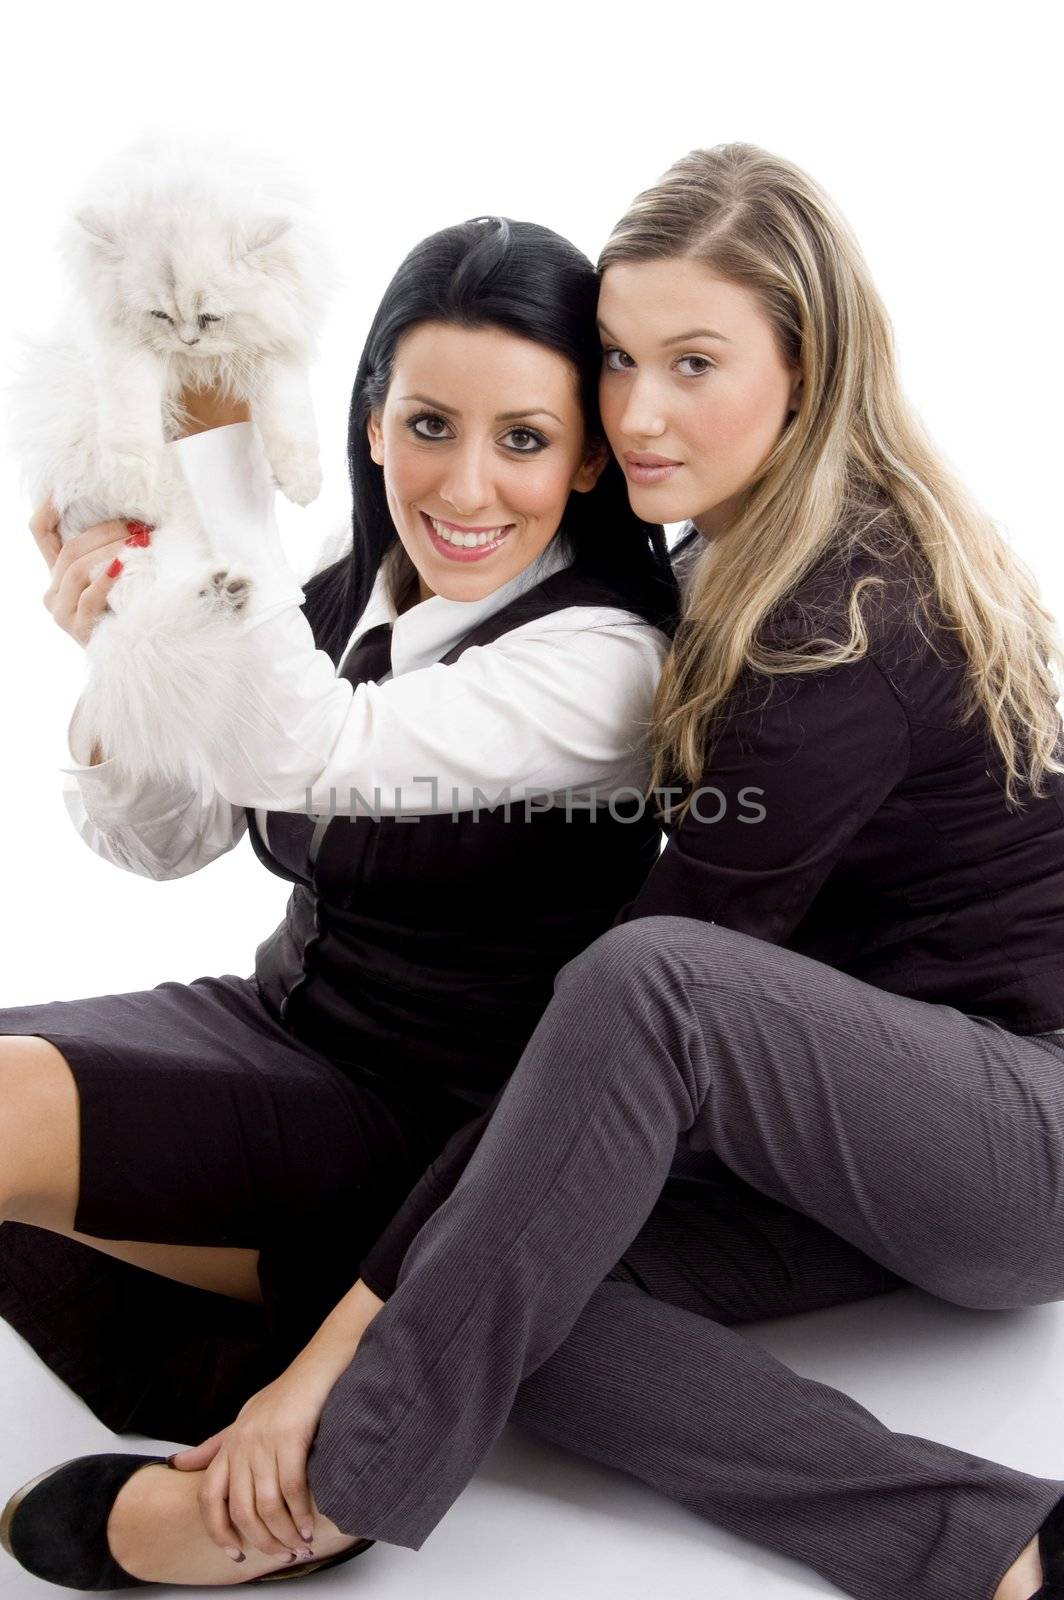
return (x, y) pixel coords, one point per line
(841, 989)
(443, 751)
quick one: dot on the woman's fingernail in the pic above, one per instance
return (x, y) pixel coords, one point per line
(307, 1534)
(115, 568)
(139, 539)
(237, 1555)
(141, 527)
(171, 1461)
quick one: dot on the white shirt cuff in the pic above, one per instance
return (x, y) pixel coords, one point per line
(232, 487)
(108, 796)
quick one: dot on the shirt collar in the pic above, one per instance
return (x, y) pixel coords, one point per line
(425, 633)
(686, 556)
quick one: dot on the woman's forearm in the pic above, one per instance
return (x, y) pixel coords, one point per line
(333, 1347)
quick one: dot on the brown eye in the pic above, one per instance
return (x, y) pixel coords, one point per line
(526, 441)
(697, 366)
(427, 420)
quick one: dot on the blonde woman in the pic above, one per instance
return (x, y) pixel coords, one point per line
(841, 989)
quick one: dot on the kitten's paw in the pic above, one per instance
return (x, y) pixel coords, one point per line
(297, 473)
(227, 590)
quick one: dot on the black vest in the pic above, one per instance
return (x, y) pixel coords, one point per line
(424, 952)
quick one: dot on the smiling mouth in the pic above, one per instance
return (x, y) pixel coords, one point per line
(462, 537)
(456, 542)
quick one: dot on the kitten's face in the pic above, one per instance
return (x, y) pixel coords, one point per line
(175, 317)
(191, 318)
(202, 289)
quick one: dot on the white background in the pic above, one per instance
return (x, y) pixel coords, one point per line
(930, 125)
(934, 129)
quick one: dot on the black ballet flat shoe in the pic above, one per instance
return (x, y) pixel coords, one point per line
(56, 1526)
(1051, 1550)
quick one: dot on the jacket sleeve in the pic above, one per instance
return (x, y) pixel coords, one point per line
(802, 762)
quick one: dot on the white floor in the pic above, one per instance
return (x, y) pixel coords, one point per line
(537, 1522)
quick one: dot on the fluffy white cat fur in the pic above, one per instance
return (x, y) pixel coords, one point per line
(193, 264)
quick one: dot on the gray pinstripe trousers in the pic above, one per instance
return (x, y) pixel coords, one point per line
(834, 1141)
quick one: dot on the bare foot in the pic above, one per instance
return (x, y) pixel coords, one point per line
(1024, 1577)
(156, 1533)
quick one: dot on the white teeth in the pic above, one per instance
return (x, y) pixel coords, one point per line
(468, 541)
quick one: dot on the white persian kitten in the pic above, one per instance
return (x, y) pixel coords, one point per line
(193, 264)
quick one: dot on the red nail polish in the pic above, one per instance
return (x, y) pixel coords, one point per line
(139, 539)
(115, 568)
(140, 527)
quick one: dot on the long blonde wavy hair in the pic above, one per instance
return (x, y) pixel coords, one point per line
(763, 223)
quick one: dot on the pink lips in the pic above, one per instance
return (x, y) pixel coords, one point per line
(455, 552)
(643, 467)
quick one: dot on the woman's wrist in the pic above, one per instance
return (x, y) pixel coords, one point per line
(202, 409)
(333, 1347)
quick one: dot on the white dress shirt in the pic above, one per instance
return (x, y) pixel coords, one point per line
(558, 706)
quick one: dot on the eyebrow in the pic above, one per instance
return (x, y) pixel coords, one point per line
(503, 416)
(677, 338)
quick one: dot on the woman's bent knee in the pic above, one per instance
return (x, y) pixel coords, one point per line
(39, 1134)
(998, 1283)
(634, 955)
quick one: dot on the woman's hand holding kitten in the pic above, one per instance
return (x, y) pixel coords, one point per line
(75, 597)
(83, 569)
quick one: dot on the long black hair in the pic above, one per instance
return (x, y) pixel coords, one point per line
(526, 280)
